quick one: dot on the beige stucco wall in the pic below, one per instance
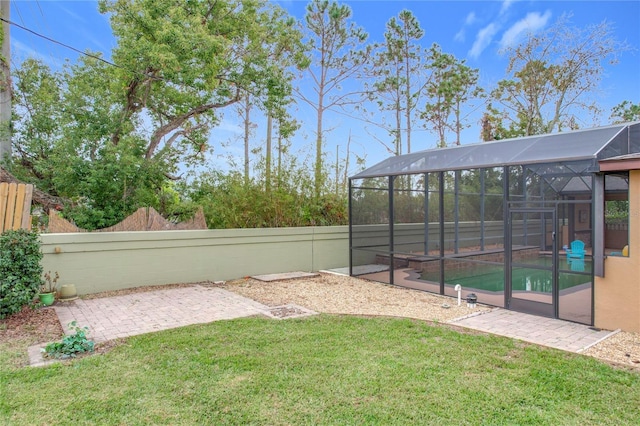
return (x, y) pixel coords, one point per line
(97, 262)
(617, 294)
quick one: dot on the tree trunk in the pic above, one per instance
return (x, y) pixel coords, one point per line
(318, 166)
(247, 129)
(267, 157)
(346, 166)
(47, 201)
(279, 177)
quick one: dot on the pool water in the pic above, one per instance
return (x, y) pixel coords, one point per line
(491, 277)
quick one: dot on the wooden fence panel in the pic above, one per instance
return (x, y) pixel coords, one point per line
(16, 221)
(15, 206)
(11, 204)
(4, 193)
(25, 223)
(143, 219)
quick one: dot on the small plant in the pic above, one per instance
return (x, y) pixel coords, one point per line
(50, 284)
(70, 345)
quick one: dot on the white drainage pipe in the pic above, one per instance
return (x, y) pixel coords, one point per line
(458, 288)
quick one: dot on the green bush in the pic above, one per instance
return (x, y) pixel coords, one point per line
(20, 270)
(71, 345)
(230, 202)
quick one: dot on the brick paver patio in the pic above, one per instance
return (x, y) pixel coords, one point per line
(550, 332)
(121, 316)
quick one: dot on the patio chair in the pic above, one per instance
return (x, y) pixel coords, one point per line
(576, 251)
(577, 265)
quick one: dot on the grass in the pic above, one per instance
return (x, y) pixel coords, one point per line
(23, 329)
(321, 370)
(14, 354)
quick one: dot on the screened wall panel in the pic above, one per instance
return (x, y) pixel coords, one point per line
(504, 219)
(409, 215)
(433, 230)
(634, 139)
(370, 234)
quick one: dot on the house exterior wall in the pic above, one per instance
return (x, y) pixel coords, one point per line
(617, 294)
(97, 262)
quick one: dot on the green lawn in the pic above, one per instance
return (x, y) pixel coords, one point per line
(321, 370)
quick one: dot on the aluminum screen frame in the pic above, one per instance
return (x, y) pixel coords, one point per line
(591, 144)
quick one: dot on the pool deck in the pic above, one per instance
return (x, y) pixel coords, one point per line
(575, 303)
(564, 335)
(122, 316)
(559, 334)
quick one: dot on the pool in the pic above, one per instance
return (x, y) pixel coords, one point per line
(491, 277)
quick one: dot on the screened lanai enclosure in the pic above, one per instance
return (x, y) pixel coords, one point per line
(520, 222)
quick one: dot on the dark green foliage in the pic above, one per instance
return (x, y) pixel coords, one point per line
(230, 203)
(112, 139)
(625, 111)
(70, 345)
(617, 211)
(111, 187)
(550, 78)
(20, 270)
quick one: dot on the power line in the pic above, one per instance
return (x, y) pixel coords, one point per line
(19, 14)
(39, 7)
(46, 25)
(66, 45)
(146, 75)
(17, 8)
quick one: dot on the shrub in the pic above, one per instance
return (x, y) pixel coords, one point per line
(20, 270)
(229, 202)
(70, 345)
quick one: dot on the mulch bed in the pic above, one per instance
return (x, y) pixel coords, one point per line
(36, 325)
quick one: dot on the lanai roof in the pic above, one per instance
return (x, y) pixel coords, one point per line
(579, 145)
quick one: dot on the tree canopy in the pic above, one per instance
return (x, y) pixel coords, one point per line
(337, 56)
(127, 127)
(552, 77)
(108, 136)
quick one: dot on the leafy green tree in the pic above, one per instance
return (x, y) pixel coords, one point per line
(36, 117)
(462, 88)
(228, 47)
(551, 77)
(127, 130)
(439, 106)
(285, 127)
(399, 73)
(625, 111)
(452, 85)
(337, 56)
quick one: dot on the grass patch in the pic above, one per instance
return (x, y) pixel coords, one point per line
(322, 370)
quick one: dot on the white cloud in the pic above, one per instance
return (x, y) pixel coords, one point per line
(87, 36)
(483, 39)
(21, 51)
(73, 15)
(229, 126)
(471, 18)
(529, 24)
(506, 4)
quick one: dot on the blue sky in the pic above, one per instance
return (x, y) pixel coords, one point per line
(471, 30)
